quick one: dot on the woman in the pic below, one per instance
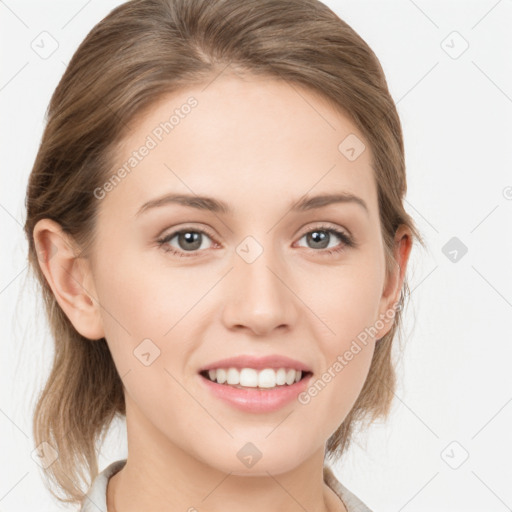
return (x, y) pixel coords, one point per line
(263, 134)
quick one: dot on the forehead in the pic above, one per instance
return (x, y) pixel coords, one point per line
(251, 141)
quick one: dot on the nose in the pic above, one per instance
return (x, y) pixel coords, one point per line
(260, 297)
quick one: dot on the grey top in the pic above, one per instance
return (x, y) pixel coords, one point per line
(96, 498)
(351, 501)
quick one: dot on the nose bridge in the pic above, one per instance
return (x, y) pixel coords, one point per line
(261, 300)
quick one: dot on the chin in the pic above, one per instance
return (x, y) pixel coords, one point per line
(248, 461)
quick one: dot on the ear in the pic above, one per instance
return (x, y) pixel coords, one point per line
(395, 280)
(68, 275)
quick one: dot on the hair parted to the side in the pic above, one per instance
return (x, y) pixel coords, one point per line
(141, 51)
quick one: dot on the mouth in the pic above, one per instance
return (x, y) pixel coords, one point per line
(255, 391)
(250, 378)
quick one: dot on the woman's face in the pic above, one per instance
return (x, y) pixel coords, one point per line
(252, 279)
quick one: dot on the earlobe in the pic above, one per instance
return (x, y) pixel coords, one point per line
(69, 277)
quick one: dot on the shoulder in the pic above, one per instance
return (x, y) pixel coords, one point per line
(351, 501)
(96, 498)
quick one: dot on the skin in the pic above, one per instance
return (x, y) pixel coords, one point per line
(259, 145)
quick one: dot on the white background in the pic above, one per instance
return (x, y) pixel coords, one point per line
(455, 378)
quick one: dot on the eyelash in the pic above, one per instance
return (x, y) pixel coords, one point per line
(347, 241)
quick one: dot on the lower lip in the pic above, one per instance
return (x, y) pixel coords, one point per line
(257, 399)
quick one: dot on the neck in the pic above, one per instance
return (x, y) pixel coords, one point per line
(160, 476)
(124, 497)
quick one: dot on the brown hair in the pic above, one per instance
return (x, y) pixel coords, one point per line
(141, 51)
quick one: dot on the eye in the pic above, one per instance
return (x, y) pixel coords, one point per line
(189, 240)
(321, 237)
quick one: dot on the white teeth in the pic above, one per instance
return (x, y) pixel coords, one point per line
(248, 377)
(251, 378)
(233, 377)
(221, 376)
(267, 378)
(280, 376)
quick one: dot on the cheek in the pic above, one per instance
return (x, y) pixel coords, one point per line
(347, 305)
(140, 300)
(147, 312)
(346, 300)
(143, 312)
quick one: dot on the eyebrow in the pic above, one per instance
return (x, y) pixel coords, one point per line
(217, 206)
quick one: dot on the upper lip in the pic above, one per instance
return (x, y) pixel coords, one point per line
(275, 361)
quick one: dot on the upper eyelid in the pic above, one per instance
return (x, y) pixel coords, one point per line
(322, 226)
